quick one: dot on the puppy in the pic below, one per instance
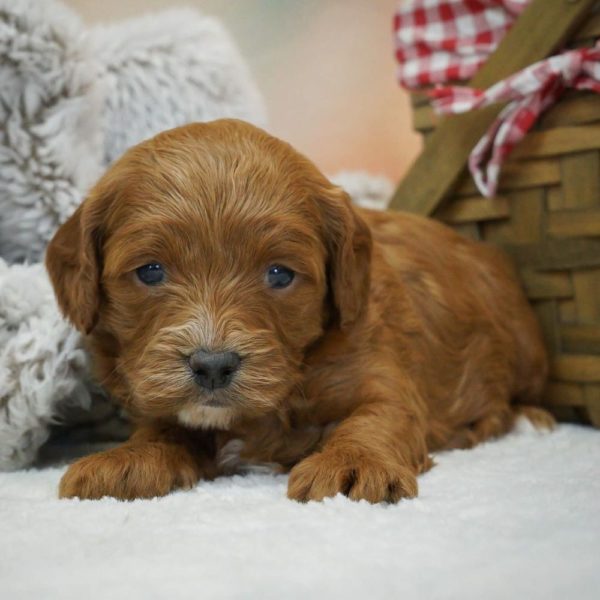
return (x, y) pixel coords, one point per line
(234, 299)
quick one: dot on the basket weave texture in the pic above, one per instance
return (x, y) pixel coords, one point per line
(546, 215)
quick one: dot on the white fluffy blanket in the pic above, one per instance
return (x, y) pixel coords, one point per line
(515, 518)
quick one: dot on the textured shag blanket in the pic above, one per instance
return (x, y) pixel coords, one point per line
(514, 518)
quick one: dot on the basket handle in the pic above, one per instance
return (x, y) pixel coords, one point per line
(541, 28)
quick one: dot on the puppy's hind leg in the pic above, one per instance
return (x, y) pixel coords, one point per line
(498, 423)
(541, 419)
(502, 421)
(491, 425)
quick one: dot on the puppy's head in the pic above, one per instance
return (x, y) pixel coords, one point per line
(205, 262)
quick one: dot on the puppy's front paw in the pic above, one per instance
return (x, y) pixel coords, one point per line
(126, 474)
(328, 473)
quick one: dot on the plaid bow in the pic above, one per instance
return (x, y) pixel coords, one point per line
(529, 92)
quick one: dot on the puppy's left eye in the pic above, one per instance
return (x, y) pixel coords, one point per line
(279, 277)
(151, 274)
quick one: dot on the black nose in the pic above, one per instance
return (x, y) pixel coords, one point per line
(214, 369)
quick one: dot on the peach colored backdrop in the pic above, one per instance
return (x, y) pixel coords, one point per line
(325, 67)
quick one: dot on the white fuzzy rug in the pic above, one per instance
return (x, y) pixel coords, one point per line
(516, 518)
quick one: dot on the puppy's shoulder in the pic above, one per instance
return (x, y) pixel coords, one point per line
(398, 227)
(410, 241)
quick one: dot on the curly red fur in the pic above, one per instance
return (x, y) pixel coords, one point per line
(397, 336)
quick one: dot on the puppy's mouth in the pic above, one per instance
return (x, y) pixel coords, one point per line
(216, 399)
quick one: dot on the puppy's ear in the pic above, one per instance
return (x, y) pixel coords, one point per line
(74, 264)
(348, 241)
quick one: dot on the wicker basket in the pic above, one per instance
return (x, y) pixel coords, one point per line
(546, 214)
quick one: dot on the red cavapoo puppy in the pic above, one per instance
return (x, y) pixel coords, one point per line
(230, 292)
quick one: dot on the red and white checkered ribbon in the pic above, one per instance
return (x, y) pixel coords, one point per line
(438, 41)
(441, 41)
(529, 92)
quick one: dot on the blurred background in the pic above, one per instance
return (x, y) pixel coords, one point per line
(325, 67)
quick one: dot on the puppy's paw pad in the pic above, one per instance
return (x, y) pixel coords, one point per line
(325, 474)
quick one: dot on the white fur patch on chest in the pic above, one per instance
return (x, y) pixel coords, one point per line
(206, 417)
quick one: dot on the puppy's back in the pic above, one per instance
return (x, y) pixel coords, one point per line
(459, 286)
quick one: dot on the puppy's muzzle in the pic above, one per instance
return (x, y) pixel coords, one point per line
(213, 370)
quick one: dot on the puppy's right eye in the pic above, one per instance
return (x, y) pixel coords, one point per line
(279, 276)
(151, 274)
